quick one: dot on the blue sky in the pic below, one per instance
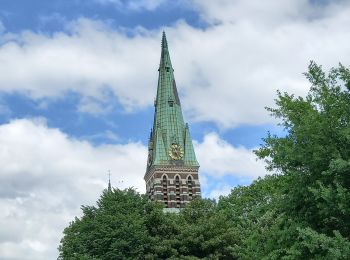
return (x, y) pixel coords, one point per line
(77, 84)
(48, 16)
(52, 17)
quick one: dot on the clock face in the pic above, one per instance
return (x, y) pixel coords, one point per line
(176, 152)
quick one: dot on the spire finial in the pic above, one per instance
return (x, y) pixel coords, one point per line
(109, 181)
(164, 41)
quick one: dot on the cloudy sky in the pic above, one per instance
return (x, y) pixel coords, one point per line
(77, 84)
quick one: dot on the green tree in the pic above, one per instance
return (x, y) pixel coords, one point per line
(163, 230)
(254, 214)
(125, 225)
(206, 233)
(197, 232)
(114, 229)
(300, 212)
(314, 159)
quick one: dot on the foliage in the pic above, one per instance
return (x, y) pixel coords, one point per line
(302, 211)
(314, 158)
(125, 226)
(113, 230)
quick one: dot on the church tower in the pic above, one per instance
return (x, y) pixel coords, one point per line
(172, 168)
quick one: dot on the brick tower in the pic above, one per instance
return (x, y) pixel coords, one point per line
(172, 168)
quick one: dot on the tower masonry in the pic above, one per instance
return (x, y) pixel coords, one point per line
(172, 168)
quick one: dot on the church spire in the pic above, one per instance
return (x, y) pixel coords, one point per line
(164, 41)
(165, 62)
(109, 182)
(172, 168)
(169, 129)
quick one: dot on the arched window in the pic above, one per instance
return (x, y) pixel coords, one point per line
(165, 190)
(177, 191)
(190, 188)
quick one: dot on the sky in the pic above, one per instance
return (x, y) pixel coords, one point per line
(78, 80)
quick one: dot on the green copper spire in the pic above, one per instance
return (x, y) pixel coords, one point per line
(164, 41)
(170, 141)
(109, 182)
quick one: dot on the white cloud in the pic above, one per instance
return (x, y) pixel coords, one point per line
(219, 158)
(253, 49)
(224, 166)
(45, 177)
(220, 190)
(88, 59)
(267, 12)
(226, 72)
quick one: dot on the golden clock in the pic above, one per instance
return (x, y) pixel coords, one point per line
(176, 152)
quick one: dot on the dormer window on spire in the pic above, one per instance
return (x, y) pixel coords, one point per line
(171, 101)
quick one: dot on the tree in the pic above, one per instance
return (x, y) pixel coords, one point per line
(125, 225)
(254, 214)
(206, 233)
(197, 232)
(314, 159)
(302, 211)
(114, 229)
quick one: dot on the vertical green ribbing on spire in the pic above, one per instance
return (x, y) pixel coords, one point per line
(169, 127)
(164, 41)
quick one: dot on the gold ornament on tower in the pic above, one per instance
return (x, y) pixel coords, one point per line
(176, 152)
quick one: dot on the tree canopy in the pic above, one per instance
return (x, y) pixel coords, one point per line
(300, 211)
